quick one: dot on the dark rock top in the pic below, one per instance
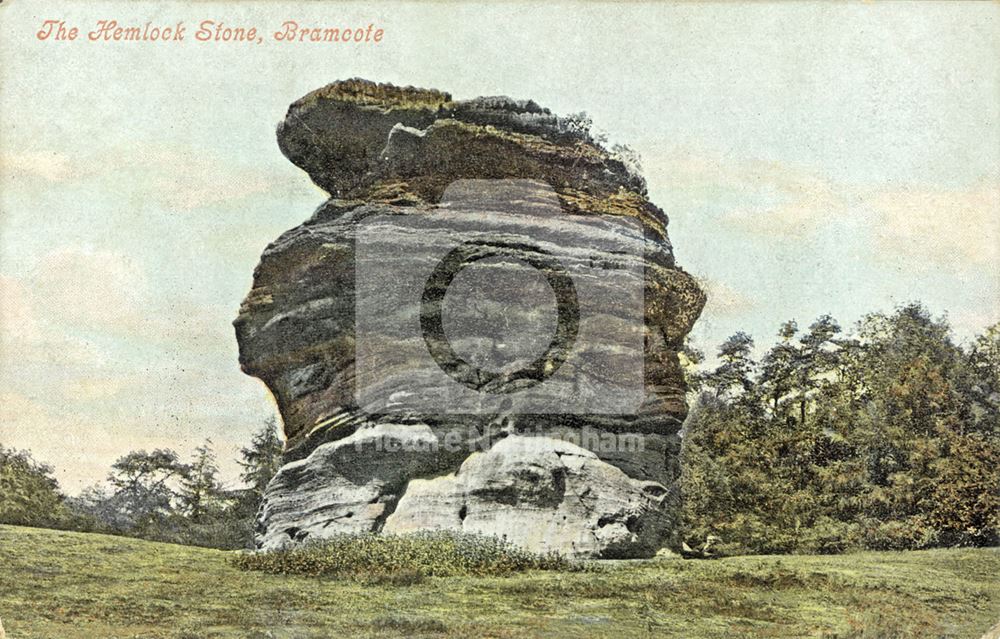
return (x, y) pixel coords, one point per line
(361, 140)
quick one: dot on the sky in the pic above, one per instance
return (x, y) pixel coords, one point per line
(812, 157)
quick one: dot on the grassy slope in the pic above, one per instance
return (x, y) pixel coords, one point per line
(72, 585)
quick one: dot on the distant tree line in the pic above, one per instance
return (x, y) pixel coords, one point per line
(153, 495)
(885, 438)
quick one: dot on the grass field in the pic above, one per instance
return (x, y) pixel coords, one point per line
(61, 585)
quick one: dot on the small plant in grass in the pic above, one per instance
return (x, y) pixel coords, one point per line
(410, 626)
(403, 559)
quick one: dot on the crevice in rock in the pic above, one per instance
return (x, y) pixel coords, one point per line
(633, 524)
(580, 498)
(559, 481)
(390, 507)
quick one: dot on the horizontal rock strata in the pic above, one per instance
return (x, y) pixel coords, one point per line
(376, 442)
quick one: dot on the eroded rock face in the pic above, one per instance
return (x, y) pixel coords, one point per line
(378, 438)
(540, 493)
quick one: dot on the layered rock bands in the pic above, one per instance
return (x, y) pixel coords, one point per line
(399, 409)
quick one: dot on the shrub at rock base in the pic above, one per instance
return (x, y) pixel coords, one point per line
(424, 554)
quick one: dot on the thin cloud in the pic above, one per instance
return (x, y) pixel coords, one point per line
(765, 198)
(939, 228)
(48, 166)
(89, 288)
(724, 300)
(181, 178)
(191, 180)
(925, 226)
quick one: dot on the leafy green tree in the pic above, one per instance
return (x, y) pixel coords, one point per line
(261, 459)
(732, 377)
(151, 495)
(964, 504)
(983, 382)
(200, 492)
(778, 366)
(29, 494)
(817, 356)
(144, 487)
(887, 438)
(100, 507)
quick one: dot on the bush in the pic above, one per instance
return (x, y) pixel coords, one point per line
(382, 558)
(910, 534)
(29, 494)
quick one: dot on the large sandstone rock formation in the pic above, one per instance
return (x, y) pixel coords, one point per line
(361, 453)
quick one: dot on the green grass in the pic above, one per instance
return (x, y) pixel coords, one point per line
(72, 585)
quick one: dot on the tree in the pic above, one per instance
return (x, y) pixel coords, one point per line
(983, 382)
(99, 506)
(778, 366)
(200, 491)
(150, 495)
(887, 438)
(261, 459)
(144, 486)
(733, 375)
(814, 360)
(29, 494)
(964, 505)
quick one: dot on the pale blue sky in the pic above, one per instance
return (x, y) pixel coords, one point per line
(812, 157)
